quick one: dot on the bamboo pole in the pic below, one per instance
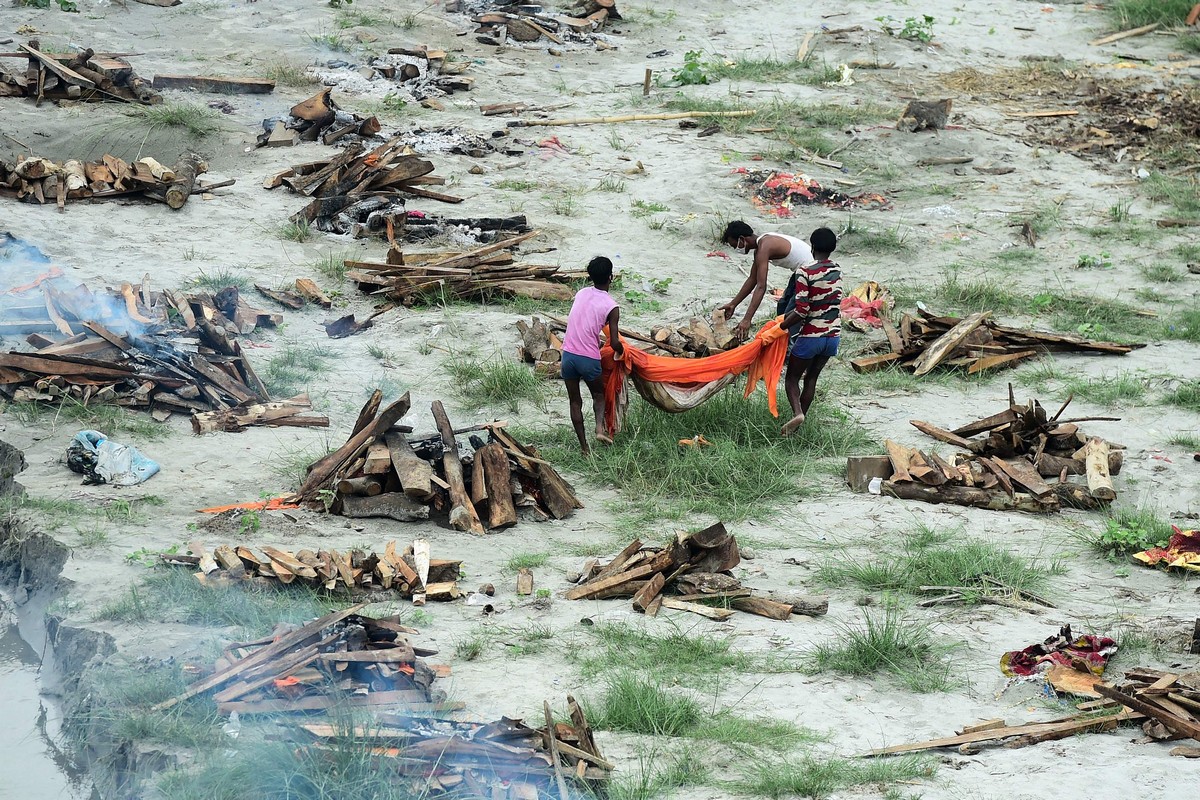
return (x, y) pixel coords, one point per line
(531, 123)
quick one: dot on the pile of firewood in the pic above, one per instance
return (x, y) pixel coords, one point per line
(339, 660)
(382, 471)
(1008, 457)
(138, 347)
(34, 179)
(484, 272)
(449, 758)
(86, 75)
(411, 574)
(1166, 705)
(527, 24)
(976, 343)
(695, 568)
(317, 118)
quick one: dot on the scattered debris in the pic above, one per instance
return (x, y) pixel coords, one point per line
(1088, 654)
(525, 24)
(101, 460)
(1182, 552)
(1004, 470)
(84, 76)
(779, 193)
(402, 74)
(977, 343)
(866, 306)
(696, 567)
(1165, 704)
(317, 118)
(274, 414)
(382, 471)
(34, 179)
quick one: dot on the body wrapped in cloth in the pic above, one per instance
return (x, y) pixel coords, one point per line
(681, 384)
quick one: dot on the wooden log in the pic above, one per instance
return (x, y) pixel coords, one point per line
(718, 614)
(1005, 360)
(763, 607)
(1096, 458)
(808, 605)
(62, 71)
(363, 486)
(185, 170)
(321, 471)
(524, 581)
(900, 457)
(214, 84)
(530, 123)
(945, 344)
(415, 473)
(463, 515)
(592, 588)
(421, 567)
(648, 593)
(273, 414)
(970, 496)
(289, 562)
(1049, 466)
(206, 562)
(379, 459)
(873, 363)
(498, 477)
(312, 293)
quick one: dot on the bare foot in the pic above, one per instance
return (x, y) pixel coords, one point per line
(603, 438)
(587, 451)
(790, 426)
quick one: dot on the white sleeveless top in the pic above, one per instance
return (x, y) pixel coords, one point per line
(800, 255)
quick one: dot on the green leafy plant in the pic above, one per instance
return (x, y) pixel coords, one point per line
(68, 6)
(694, 72)
(1131, 531)
(250, 522)
(1102, 261)
(916, 29)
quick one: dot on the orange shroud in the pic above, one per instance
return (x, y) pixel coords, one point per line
(762, 358)
(274, 504)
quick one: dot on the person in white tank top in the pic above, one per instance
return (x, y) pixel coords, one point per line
(778, 249)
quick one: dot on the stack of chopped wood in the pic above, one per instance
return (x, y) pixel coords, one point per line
(410, 574)
(359, 192)
(695, 568)
(139, 347)
(85, 75)
(976, 343)
(317, 118)
(381, 471)
(1166, 705)
(527, 24)
(344, 659)
(502, 760)
(484, 272)
(1008, 456)
(35, 179)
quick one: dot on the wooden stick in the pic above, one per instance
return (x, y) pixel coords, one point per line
(61, 70)
(646, 82)
(554, 756)
(529, 123)
(1116, 37)
(803, 51)
(1031, 114)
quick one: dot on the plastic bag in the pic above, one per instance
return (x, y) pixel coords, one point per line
(101, 460)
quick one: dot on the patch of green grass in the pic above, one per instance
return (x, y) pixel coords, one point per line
(658, 776)
(690, 660)
(110, 420)
(1185, 395)
(1186, 326)
(199, 121)
(531, 639)
(932, 557)
(610, 184)
(890, 643)
(494, 383)
(289, 73)
(565, 202)
(295, 232)
(1135, 13)
(1161, 273)
(980, 294)
(1181, 193)
(516, 185)
(815, 778)
(526, 561)
(290, 370)
(1128, 530)
(1118, 388)
(1148, 295)
(360, 18)
(1188, 441)
(331, 40)
(221, 278)
(644, 208)
(1190, 44)
(1188, 251)
(887, 240)
(472, 647)
(1017, 255)
(1043, 218)
(748, 470)
(332, 266)
(767, 69)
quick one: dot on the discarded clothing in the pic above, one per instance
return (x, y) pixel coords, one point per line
(1182, 552)
(777, 193)
(101, 460)
(1084, 653)
(680, 384)
(866, 304)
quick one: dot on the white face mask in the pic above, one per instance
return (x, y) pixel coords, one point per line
(744, 248)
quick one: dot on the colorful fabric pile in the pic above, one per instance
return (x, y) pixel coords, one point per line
(1182, 552)
(1084, 653)
(777, 193)
(866, 305)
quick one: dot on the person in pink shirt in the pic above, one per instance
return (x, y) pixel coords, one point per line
(592, 309)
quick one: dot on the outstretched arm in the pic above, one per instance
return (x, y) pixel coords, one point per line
(758, 280)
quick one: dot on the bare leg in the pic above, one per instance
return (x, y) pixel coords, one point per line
(810, 382)
(576, 401)
(596, 387)
(797, 368)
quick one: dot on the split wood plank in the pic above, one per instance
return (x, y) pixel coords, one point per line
(648, 593)
(1022, 472)
(596, 586)
(1006, 359)
(947, 342)
(1171, 722)
(421, 563)
(941, 435)
(802, 51)
(899, 456)
(718, 614)
(463, 515)
(763, 607)
(61, 70)
(215, 84)
(554, 754)
(991, 734)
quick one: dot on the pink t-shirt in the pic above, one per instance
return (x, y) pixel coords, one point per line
(588, 315)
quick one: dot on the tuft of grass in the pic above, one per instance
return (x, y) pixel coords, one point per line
(815, 778)
(769, 69)
(1135, 13)
(1185, 395)
(610, 184)
(1128, 530)
(514, 185)
(1186, 326)
(108, 419)
(981, 294)
(295, 232)
(1043, 218)
(1107, 390)
(1190, 43)
(747, 471)
(470, 648)
(1188, 441)
(526, 561)
(221, 278)
(888, 240)
(1181, 193)
(1161, 273)
(494, 382)
(887, 642)
(932, 557)
(290, 370)
(289, 73)
(331, 40)
(199, 121)
(657, 777)
(360, 18)
(332, 266)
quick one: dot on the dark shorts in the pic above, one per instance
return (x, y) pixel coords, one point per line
(811, 347)
(579, 367)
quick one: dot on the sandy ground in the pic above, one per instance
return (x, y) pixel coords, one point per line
(104, 244)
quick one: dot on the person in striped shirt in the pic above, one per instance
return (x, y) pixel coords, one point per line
(815, 325)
